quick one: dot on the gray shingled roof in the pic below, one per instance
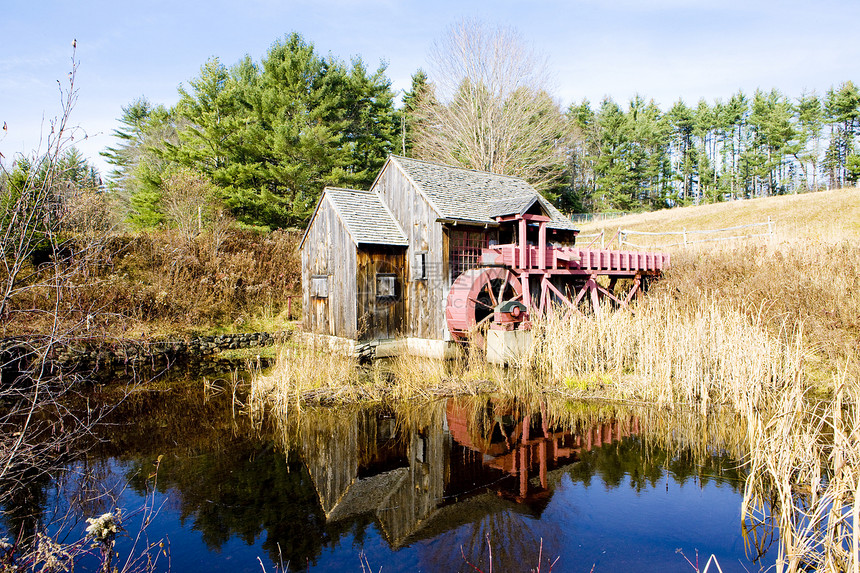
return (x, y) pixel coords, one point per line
(469, 195)
(513, 206)
(365, 217)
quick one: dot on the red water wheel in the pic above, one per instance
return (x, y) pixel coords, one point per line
(473, 297)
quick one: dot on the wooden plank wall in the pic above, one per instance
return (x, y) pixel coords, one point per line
(329, 250)
(381, 317)
(426, 310)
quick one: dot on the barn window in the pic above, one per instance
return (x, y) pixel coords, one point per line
(419, 266)
(466, 247)
(319, 286)
(385, 285)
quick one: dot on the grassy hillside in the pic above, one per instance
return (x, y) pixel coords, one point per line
(827, 216)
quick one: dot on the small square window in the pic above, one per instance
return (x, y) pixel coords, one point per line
(385, 285)
(319, 286)
(419, 266)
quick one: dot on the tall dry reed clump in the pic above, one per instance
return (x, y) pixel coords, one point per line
(722, 324)
(772, 331)
(303, 373)
(668, 352)
(311, 371)
(816, 285)
(804, 477)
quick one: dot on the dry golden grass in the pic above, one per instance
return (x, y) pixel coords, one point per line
(790, 286)
(305, 371)
(311, 372)
(826, 216)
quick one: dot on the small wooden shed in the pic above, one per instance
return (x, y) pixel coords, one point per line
(378, 264)
(354, 267)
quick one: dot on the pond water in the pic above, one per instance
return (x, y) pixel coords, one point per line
(431, 487)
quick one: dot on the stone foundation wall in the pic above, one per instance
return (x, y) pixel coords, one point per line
(97, 353)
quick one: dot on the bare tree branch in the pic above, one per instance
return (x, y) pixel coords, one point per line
(488, 107)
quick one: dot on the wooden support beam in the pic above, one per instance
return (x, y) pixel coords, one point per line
(612, 296)
(636, 282)
(550, 287)
(544, 291)
(595, 296)
(581, 294)
(527, 292)
(523, 244)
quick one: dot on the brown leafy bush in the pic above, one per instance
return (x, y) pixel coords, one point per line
(161, 282)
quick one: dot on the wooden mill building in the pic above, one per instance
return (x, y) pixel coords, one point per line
(377, 265)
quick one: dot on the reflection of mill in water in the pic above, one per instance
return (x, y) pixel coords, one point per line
(455, 465)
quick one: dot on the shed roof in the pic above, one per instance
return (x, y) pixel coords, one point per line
(365, 216)
(479, 196)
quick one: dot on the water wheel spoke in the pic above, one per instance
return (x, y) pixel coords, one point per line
(504, 285)
(483, 321)
(482, 303)
(493, 298)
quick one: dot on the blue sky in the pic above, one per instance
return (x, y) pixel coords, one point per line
(661, 49)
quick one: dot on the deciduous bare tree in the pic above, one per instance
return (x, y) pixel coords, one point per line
(488, 107)
(49, 224)
(33, 259)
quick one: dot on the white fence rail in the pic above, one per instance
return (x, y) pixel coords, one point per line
(592, 217)
(687, 237)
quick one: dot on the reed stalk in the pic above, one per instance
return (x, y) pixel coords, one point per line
(667, 353)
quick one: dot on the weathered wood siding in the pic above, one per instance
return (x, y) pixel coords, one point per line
(426, 297)
(329, 251)
(381, 315)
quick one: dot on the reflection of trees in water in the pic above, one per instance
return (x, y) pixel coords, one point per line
(248, 489)
(645, 466)
(397, 464)
(228, 485)
(514, 538)
(23, 509)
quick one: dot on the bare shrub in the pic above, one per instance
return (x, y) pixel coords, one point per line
(188, 200)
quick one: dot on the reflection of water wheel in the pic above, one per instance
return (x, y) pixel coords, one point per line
(475, 294)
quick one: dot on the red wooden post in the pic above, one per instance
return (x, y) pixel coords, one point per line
(524, 471)
(527, 290)
(523, 244)
(595, 297)
(542, 245)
